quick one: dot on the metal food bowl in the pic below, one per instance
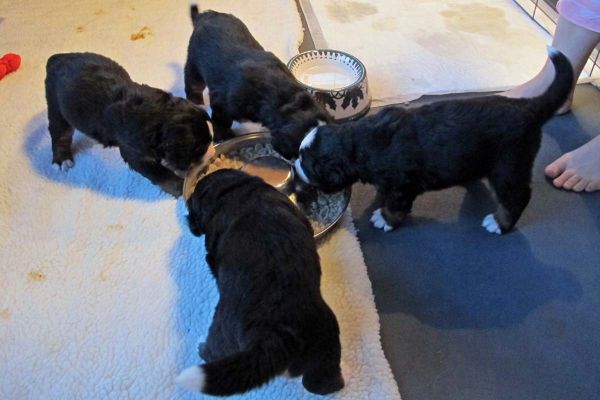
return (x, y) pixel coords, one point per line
(273, 170)
(253, 154)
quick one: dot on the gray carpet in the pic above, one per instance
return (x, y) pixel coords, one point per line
(470, 315)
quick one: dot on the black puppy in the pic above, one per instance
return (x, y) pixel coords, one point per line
(158, 135)
(270, 317)
(246, 82)
(405, 152)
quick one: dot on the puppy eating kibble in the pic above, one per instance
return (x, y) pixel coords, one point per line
(271, 317)
(158, 135)
(406, 152)
(247, 83)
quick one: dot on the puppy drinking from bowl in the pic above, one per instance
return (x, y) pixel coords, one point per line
(271, 317)
(158, 135)
(247, 83)
(406, 152)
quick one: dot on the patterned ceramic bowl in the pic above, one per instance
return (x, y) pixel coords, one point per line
(336, 79)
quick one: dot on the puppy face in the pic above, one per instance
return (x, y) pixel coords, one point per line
(300, 114)
(286, 139)
(324, 161)
(207, 197)
(186, 138)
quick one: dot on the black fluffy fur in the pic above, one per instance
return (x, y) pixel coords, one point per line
(270, 317)
(405, 152)
(95, 95)
(246, 82)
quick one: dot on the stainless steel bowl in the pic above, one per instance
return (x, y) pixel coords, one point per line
(273, 170)
(316, 209)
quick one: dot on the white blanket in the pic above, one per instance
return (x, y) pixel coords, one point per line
(411, 48)
(104, 293)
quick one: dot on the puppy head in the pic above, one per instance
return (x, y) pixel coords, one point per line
(208, 197)
(185, 138)
(300, 115)
(325, 159)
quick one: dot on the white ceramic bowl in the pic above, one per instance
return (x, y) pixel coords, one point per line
(336, 79)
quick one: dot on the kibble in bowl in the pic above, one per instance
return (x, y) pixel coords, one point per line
(323, 210)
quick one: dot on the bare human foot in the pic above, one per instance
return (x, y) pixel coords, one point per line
(578, 170)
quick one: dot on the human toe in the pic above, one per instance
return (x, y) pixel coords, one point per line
(570, 183)
(581, 185)
(558, 166)
(593, 186)
(563, 178)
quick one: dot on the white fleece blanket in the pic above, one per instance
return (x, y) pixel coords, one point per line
(412, 48)
(104, 294)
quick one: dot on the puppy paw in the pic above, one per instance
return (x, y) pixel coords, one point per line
(490, 224)
(191, 378)
(63, 166)
(379, 222)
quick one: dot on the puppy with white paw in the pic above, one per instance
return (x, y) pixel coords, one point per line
(246, 83)
(159, 135)
(406, 152)
(271, 318)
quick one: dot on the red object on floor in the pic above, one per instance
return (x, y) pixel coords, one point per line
(9, 63)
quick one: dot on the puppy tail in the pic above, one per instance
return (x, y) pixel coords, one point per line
(241, 371)
(559, 90)
(194, 11)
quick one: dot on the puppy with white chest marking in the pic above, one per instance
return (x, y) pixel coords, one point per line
(158, 135)
(406, 152)
(271, 317)
(246, 83)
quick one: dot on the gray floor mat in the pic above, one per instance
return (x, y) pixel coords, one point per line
(470, 315)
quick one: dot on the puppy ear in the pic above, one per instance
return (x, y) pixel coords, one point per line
(330, 174)
(174, 142)
(299, 101)
(120, 113)
(195, 224)
(195, 216)
(172, 134)
(115, 113)
(197, 211)
(285, 144)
